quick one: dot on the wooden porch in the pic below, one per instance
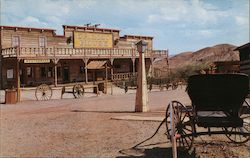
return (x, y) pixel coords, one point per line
(76, 53)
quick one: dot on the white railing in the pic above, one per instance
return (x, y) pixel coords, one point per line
(26, 52)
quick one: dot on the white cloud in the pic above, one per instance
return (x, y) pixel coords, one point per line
(186, 11)
(30, 20)
(242, 21)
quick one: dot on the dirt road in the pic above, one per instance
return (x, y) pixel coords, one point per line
(85, 128)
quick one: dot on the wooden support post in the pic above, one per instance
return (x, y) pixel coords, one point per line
(133, 60)
(106, 79)
(18, 80)
(85, 60)
(112, 73)
(55, 72)
(172, 126)
(152, 67)
(55, 75)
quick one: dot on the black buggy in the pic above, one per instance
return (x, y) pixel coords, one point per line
(218, 105)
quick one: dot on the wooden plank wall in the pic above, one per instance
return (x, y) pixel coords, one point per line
(31, 38)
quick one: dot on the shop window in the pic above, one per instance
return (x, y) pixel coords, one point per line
(117, 66)
(43, 72)
(50, 72)
(29, 71)
(10, 74)
(58, 71)
(81, 69)
(42, 41)
(15, 41)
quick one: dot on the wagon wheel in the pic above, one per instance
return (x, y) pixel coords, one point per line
(43, 92)
(240, 138)
(174, 86)
(78, 90)
(184, 126)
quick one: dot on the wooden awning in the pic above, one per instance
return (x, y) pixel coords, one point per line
(99, 64)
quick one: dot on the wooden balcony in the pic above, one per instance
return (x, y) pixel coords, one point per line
(79, 53)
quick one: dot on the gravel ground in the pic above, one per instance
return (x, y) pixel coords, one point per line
(84, 128)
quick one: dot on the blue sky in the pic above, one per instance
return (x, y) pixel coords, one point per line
(177, 25)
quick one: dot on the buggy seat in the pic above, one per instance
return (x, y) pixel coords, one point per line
(218, 98)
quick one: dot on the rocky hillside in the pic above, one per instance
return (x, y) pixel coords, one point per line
(221, 52)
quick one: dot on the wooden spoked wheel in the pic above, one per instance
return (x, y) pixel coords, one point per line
(78, 91)
(183, 126)
(240, 134)
(174, 86)
(43, 92)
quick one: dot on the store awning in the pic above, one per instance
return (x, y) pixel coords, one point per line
(96, 64)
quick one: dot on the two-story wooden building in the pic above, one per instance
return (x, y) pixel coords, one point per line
(38, 55)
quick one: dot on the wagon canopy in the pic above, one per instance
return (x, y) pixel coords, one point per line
(218, 92)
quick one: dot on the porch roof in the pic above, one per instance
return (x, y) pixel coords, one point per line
(97, 64)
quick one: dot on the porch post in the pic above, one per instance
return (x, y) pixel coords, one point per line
(133, 60)
(1, 65)
(112, 73)
(112, 69)
(18, 80)
(55, 71)
(85, 60)
(152, 67)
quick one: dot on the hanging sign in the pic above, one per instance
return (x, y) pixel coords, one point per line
(37, 61)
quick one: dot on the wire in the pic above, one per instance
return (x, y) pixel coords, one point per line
(134, 147)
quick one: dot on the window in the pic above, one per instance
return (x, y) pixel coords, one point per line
(117, 66)
(10, 73)
(42, 41)
(50, 72)
(15, 41)
(29, 71)
(43, 72)
(81, 69)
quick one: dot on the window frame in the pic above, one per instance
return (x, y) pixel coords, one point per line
(12, 40)
(39, 42)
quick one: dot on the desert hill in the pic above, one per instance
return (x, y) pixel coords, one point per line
(221, 52)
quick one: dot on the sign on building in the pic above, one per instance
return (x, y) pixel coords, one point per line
(92, 40)
(36, 61)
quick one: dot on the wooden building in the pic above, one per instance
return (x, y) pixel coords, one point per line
(32, 56)
(244, 51)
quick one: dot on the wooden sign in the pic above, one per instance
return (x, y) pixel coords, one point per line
(92, 40)
(37, 61)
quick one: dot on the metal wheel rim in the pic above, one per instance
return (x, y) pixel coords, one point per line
(238, 138)
(43, 92)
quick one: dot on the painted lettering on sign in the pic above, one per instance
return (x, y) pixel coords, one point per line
(36, 61)
(93, 40)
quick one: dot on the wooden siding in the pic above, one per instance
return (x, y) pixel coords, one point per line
(31, 39)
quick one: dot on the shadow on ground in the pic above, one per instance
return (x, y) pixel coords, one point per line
(154, 153)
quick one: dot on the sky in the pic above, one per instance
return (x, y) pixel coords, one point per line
(176, 25)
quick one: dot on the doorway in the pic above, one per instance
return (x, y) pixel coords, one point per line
(65, 74)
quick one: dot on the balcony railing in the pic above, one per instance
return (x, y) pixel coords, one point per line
(26, 52)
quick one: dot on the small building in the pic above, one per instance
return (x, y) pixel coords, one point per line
(244, 51)
(227, 66)
(31, 56)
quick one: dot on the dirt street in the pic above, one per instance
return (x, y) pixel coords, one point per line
(85, 128)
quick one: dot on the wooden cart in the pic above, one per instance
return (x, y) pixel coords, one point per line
(45, 92)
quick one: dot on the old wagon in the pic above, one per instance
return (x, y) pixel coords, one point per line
(45, 92)
(218, 105)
